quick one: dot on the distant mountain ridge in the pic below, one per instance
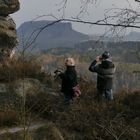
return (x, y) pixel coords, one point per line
(133, 36)
(61, 34)
(58, 35)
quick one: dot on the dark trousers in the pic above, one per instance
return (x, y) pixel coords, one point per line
(68, 95)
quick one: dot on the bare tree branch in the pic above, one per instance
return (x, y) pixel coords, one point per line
(39, 31)
(99, 23)
(137, 0)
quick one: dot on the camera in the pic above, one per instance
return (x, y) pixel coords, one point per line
(100, 58)
(57, 71)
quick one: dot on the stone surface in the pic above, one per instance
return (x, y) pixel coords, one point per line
(9, 6)
(8, 36)
(25, 86)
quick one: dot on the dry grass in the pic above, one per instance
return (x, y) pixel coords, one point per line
(88, 119)
(9, 117)
(85, 119)
(19, 69)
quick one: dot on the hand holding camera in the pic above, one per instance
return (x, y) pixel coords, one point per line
(99, 58)
(57, 72)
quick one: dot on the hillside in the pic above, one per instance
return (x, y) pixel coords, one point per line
(59, 35)
(127, 52)
(133, 36)
(32, 95)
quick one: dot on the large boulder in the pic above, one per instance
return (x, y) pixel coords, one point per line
(28, 86)
(9, 6)
(8, 36)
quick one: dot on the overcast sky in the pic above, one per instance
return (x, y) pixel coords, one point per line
(30, 9)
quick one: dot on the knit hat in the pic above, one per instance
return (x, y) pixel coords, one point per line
(105, 55)
(69, 61)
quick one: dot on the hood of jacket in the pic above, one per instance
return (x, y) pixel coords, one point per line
(107, 64)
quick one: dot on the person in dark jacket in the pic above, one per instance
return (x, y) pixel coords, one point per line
(105, 70)
(69, 80)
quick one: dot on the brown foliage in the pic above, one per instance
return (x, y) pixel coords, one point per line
(86, 118)
(89, 119)
(17, 69)
(9, 117)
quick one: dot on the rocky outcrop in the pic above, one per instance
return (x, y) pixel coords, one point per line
(26, 86)
(8, 35)
(8, 7)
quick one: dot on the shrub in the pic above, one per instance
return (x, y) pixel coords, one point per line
(89, 119)
(20, 69)
(9, 118)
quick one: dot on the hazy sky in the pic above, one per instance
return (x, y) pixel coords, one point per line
(30, 9)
